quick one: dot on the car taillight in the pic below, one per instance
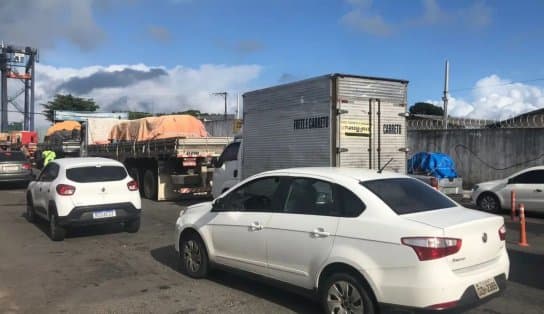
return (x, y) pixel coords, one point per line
(27, 166)
(502, 233)
(429, 248)
(133, 185)
(65, 189)
(442, 306)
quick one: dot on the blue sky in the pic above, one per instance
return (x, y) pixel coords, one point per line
(489, 43)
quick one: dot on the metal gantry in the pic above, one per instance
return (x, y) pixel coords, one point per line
(13, 59)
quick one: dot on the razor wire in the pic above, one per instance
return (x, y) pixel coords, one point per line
(520, 122)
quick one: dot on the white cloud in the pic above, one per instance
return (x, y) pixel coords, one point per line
(496, 99)
(180, 89)
(367, 23)
(478, 15)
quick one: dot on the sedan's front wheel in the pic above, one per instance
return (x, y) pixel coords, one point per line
(489, 202)
(343, 293)
(194, 258)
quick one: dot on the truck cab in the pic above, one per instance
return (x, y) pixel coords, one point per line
(228, 168)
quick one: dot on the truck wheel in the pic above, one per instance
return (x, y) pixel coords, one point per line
(150, 185)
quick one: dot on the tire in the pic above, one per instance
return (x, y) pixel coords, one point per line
(56, 232)
(30, 214)
(193, 256)
(150, 185)
(132, 226)
(489, 202)
(343, 293)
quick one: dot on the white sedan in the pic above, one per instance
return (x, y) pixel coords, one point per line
(83, 191)
(495, 195)
(357, 238)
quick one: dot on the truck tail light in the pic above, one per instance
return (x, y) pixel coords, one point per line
(434, 183)
(65, 189)
(429, 248)
(502, 233)
(133, 185)
(27, 166)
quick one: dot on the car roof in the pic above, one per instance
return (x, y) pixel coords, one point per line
(339, 173)
(86, 161)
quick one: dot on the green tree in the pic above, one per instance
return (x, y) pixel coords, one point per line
(133, 115)
(426, 108)
(70, 103)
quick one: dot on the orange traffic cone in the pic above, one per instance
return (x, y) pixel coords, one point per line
(522, 231)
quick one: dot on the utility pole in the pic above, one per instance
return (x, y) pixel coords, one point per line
(445, 97)
(224, 94)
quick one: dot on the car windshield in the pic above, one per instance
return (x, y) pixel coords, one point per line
(406, 196)
(12, 156)
(96, 174)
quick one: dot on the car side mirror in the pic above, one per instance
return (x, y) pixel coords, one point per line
(218, 204)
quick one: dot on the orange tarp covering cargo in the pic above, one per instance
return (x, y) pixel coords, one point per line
(162, 127)
(64, 126)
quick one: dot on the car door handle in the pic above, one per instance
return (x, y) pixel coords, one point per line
(538, 190)
(320, 233)
(256, 226)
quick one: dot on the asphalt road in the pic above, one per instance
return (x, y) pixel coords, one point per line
(105, 270)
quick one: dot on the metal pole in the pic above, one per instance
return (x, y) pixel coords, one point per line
(4, 93)
(225, 117)
(33, 78)
(445, 97)
(26, 116)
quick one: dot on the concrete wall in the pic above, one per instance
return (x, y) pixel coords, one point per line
(483, 154)
(220, 127)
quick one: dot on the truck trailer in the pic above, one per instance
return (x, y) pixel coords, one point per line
(166, 168)
(335, 120)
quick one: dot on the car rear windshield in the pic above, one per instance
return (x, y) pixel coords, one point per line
(96, 174)
(12, 156)
(406, 196)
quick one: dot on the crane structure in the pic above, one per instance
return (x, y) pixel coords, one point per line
(17, 63)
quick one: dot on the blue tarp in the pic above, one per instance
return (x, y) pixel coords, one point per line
(435, 164)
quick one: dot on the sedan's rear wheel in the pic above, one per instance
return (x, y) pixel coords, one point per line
(343, 293)
(489, 202)
(56, 232)
(194, 258)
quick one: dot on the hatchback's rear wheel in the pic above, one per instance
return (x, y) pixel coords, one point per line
(194, 258)
(343, 293)
(30, 214)
(489, 202)
(133, 225)
(56, 232)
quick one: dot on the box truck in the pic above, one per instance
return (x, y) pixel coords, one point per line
(334, 120)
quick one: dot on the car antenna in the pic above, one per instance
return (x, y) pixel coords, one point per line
(387, 163)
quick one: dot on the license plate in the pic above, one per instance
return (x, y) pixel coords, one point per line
(11, 168)
(104, 214)
(486, 287)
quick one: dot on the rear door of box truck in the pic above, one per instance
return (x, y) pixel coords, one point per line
(371, 123)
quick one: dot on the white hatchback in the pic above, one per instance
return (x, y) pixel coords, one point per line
(357, 238)
(84, 191)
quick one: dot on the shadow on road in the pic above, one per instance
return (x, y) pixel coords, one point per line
(83, 231)
(526, 268)
(13, 186)
(168, 256)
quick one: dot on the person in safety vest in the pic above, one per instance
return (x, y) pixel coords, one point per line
(48, 155)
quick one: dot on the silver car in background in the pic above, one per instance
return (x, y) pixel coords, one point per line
(496, 195)
(15, 168)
